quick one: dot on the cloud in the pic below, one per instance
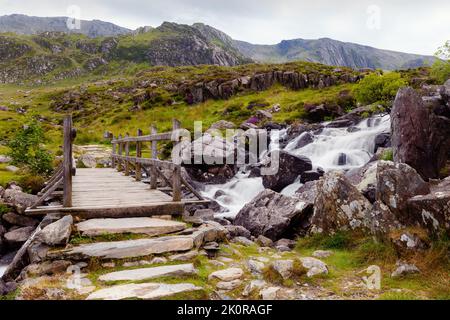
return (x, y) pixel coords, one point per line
(404, 25)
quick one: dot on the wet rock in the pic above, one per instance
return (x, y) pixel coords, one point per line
(204, 214)
(311, 175)
(305, 139)
(396, 183)
(383, 140)
(404, 269)
(342, 159)
(285, 170)
(57, 233)
(272, 215)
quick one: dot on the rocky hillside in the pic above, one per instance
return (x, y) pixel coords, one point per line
(22, 24)
(332, 52)
(52, 56)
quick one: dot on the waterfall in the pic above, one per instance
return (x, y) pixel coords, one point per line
(329, 148)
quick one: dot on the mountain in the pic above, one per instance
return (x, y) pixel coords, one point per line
(332, 52)
(22, 24)
(54, 55)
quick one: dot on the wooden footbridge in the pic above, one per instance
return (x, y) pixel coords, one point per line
(134, 186)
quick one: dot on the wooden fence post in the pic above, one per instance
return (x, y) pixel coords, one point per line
(114, 150)
(67, 162)
(119, 161)
(176, 175)
(176, 183)
(138, 155)
(153, 173)
(127, 154)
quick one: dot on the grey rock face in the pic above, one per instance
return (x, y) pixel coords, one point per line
(396, 183)
(272, 215)
(19, 200)
(419, 137)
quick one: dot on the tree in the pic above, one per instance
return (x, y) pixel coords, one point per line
(380, 89)
(26, 149)
(441, 67)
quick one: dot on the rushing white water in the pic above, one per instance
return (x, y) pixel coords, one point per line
(358, 147)
(238, 191)
(324, 151)
(2, 270)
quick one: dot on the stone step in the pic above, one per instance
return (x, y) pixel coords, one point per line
(146, 291)
(150, 273)
(125, 249)
(148, 226)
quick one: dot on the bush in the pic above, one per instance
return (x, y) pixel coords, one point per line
(26, 150)
(380, 89)
(32, 183)
(440, 70)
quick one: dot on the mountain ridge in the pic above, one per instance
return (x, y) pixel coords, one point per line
(173, 44)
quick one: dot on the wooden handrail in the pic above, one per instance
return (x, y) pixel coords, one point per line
(68, 170)
(150, 165)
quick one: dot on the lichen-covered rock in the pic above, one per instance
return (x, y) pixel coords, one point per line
(396, 183)
(314, 266)
(432, 211)
(338, 205)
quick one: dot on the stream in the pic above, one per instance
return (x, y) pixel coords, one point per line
(331, 149)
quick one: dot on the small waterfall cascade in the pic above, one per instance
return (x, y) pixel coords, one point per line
(331, 149)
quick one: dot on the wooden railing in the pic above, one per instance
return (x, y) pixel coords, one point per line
(123, 161)
(62, 177)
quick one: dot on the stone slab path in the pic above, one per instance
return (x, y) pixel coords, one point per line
(127, 249)
(148, 226)
(150, 273)
(146, 291)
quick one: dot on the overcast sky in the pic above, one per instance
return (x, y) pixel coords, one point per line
(415, 26)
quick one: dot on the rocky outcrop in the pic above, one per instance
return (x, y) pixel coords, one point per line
(338, 206)
(420, 137)
(273, 215)
(396, 183)
(286, 169)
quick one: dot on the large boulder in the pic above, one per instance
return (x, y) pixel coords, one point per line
(433, 210)
(56, 233)
(288, 168)
(18, 236)
(18, 199)
(273, 215)
(420, 138)
(396, 183)
(338, 205)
